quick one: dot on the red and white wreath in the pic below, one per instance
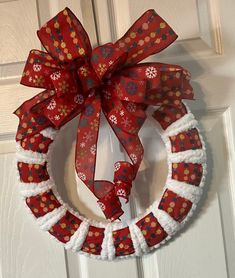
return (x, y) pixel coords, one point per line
(79, 80)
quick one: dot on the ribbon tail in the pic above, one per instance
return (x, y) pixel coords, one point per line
(125, 172)
(133, 147)
(85, 161)
(87, 137)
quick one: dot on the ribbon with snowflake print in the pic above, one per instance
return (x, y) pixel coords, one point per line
(79, 80)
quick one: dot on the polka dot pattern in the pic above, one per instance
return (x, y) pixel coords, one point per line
(36, 143)
(188, 140)
(123, 242)
(176, 206)
(65, 227)
(168, 114)
(151, 230)
(187, 172)
(93, 241)
(32, 172)
(43, 203)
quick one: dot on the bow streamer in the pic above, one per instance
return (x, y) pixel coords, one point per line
(79, 80)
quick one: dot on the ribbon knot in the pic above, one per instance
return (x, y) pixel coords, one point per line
(88, 77)
(108, 79)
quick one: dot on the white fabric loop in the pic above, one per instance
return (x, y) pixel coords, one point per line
(48, 220)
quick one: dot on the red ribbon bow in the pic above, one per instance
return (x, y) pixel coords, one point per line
(79, 80)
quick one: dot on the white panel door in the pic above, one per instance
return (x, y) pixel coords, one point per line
(206, 47)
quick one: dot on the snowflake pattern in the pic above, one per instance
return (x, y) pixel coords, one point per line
(122, 113)
(117, 166)
(102, 205)
(131, 107)
(89, 110)
(131, 88)
(51, 105)
(84, 71)
(38, 80)
(64, 110)
(101, 68)
(151, 72)
(55, 75)
(113, 119)
(88, 136)
(126, 122)
(37, 67)
(82, 144)
(133, 158)
(63, 87)
(93, 149)
(95, 124)
(121, 192)
(81, 176)
(57, 117)
(79, 99)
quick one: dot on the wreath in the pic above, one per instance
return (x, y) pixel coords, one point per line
(80, 81)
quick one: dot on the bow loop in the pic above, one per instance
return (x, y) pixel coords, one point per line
(173, 85)
(64, 82)
(60, 110)
(65, 38)
(150, 34)
(38, 69)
